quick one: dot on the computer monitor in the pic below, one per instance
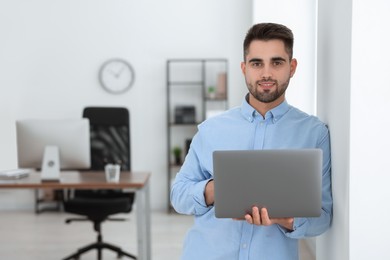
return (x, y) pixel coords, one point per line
(52, 145)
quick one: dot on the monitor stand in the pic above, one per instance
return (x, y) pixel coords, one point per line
(50, 170)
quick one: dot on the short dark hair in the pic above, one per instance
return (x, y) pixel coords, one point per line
(270, 31)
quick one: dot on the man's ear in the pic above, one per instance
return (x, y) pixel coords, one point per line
(243, 67)
(293, 67)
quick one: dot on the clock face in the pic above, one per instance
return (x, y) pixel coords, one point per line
(116, 76)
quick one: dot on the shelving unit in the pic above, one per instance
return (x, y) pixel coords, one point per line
(196, 90)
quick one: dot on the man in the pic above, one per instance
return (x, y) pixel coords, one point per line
(264, 121)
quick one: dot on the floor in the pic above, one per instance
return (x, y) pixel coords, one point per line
(25, 235)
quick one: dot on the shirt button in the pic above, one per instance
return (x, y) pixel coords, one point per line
(244, 245)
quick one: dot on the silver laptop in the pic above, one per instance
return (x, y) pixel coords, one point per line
(286, 182)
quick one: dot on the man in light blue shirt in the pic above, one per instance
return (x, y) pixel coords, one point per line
(264, 121)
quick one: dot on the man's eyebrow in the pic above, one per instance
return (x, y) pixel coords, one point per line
(272, 59)
(278, 59)
(255, 60)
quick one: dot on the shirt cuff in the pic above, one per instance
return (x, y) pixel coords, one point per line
(300, 226)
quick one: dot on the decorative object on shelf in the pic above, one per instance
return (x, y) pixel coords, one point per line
(221, 85)
(185, 114)
(116, 76)
(211, 93)
(177, 151)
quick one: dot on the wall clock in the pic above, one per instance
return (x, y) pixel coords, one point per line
(116, 76)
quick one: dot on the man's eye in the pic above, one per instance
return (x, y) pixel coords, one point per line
(256, 64)
(278, 63)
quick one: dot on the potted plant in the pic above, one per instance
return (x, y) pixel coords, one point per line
(211, 92)
(177, 154)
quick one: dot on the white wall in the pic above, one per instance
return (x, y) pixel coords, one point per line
(353, 99)
(51, 50)
(370, 128)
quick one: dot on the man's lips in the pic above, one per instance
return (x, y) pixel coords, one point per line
(266, 84)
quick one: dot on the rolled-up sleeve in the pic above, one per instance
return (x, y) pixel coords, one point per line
(187, 192)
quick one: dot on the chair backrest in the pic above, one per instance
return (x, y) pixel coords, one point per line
(110, 136)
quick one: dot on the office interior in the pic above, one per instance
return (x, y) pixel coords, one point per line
(51, 52)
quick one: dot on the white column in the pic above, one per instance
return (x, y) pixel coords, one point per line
(353, 97)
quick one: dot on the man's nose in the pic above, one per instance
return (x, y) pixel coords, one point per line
(266, 72)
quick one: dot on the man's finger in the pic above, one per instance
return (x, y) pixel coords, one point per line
(256, 216)
(265, 218)
(249, 219)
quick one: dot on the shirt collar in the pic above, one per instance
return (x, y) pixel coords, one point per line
(276, 113)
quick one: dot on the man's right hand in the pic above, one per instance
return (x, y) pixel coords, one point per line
(209, 193)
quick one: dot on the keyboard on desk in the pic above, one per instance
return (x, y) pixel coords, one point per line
(14, 174)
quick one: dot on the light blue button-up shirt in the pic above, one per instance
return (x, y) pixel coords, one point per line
(244, 128)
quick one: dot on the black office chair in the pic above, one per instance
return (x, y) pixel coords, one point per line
(110, 143)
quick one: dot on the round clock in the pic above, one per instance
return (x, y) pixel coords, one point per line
(116, 76)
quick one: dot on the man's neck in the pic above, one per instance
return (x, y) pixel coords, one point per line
(262, 107)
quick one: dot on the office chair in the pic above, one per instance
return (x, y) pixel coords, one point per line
(110, 143)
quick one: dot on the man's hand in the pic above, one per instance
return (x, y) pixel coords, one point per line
(261, 218)
(209, 193)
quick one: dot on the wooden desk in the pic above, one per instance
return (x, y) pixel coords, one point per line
(131, 181)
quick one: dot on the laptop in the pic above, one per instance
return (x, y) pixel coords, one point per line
(286, 182)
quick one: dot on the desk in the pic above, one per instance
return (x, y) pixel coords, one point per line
(132, 181)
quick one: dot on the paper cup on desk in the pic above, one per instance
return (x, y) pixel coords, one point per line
(112, 172)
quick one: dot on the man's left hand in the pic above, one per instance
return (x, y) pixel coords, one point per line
(261, 218)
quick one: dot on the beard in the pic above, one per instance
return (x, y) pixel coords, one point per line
(267, 95)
